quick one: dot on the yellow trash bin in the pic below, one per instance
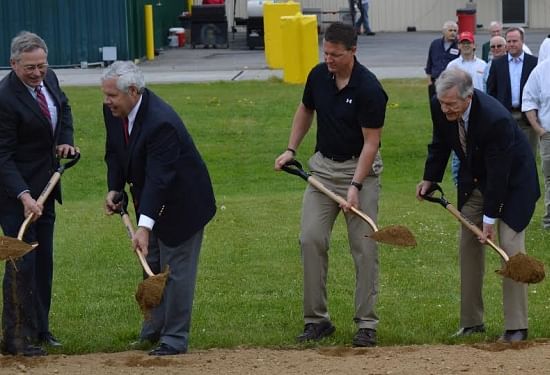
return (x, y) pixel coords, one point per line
(272, 30)
(301, 44)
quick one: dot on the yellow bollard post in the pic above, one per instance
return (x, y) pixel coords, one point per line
(301, 47)
(274, 48)
(149, 41)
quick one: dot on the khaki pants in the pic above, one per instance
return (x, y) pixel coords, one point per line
(318, 216)
(472, 269)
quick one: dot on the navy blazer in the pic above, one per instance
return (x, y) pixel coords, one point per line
(498, 160)
(27, 142)
(168, 179)
(498, 81)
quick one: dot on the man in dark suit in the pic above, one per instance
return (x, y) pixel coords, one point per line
(36, 127)
(497, 182)
(149, 148)
(507, 77)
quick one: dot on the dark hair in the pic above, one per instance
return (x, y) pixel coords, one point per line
(340, 33)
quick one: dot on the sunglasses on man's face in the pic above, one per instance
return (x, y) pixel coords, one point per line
(497, 46)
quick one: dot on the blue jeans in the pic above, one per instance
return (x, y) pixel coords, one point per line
(364, 19)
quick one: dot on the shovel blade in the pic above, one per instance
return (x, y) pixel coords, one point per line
(397, 235)
(12, 248)
(524, 269)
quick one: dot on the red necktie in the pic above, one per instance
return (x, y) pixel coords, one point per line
(462, 134)
(42, 103)
(125, 128)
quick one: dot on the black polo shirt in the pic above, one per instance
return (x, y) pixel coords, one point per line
(341, 115)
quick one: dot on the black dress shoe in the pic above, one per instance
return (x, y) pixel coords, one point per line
(27, 351)
(468, 331)
(165, 349)
(365, 337)
(48, 339)
(316, 331)
(514, 335)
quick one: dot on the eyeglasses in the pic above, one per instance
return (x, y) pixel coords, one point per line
(497, 46)
(32, 68)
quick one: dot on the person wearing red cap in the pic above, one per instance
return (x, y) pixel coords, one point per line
(468, 61)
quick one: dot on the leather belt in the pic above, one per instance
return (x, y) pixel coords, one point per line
(339, 158)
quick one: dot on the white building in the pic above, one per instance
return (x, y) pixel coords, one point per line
(424, 15)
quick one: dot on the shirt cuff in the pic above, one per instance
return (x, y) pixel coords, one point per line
(146, 221)
(23, 192)
(486, 220)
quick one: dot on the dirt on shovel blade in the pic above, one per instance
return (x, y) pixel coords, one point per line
(150, 291)
(12, 248)
(524, 269)
(397, 235)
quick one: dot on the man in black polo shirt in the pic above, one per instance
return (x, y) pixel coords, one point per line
(350, 105)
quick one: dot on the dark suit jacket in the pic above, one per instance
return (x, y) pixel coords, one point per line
(498, 160)
(168, 179)
(498, 81)
(485, 49)
(27, 142)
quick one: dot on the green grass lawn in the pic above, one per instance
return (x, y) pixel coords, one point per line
(249, 289)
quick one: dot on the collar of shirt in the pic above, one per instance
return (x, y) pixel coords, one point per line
(353, 76)
(132, 115)
(466, 115)
(32, 90)
(516, 59)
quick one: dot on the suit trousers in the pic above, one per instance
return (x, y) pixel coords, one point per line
(27, 290)
(170, 322)
(319, 213)
(545, 159)
(529, 132)
(472, 270)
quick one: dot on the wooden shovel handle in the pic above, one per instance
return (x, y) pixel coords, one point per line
(476, 230)
(41, 199)
(128, 224)
(338, 199)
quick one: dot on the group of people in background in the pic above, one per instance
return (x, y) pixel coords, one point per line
(491, 114)
(493, 125)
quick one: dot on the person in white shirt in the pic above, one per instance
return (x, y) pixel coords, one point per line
(544, 50)
(467, 61)
(536, 106)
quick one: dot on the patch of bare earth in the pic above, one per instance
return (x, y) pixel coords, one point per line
(532, 357)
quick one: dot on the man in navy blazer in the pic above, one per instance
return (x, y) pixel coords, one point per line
(149, 148)
(31, 139)
(497, 183)
(507, 77)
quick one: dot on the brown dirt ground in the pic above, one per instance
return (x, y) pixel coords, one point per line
(532, 357)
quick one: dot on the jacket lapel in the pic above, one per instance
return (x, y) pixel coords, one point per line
(137, 127)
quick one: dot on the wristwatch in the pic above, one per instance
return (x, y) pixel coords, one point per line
(357, 185)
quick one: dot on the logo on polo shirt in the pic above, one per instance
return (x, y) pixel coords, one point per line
(349, 100)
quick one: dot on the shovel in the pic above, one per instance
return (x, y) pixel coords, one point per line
(13, 248)
(150, 291)
(520, 267)
(397, 235)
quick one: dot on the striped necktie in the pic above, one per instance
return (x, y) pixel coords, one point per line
(462, 134)
(42, 103)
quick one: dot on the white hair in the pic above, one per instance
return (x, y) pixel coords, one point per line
(127, 75)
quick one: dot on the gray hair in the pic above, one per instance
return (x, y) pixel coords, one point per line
(127, 75)
(26, 41)
(495, 24)
(448, 24)
(454, 77)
